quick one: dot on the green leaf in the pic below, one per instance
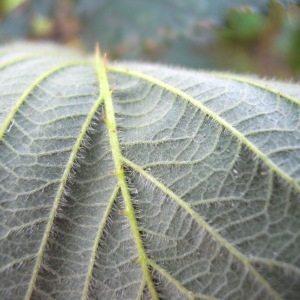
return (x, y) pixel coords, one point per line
(8, 5)
(170, 31)
(131, 181)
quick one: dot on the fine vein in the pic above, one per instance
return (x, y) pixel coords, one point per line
(216, 236)
(214, 116)
(18, 60)
(29, 90)
(97, 241)
(178, 284)
(256, 84)
(65, 175)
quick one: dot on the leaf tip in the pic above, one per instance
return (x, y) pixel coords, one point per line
(97, 50)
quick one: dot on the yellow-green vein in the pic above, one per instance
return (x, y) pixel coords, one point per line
(18, 60)
(272, 263)
(141, 290)
(177, 284)
(29, 90)
(97, 241)
(64, 178)
(214, 116)
(215, 235)
(109, 118)
(254, 83)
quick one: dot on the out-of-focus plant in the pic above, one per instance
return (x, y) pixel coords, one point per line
(244, 36)
(264, 44)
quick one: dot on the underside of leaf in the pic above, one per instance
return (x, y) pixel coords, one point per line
(136, 181)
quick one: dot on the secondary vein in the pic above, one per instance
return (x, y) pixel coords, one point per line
(96, 243)
(65, 175)
(215, 235)
(215, 117)
(29, 90)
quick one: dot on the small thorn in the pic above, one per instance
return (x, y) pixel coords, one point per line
(97, 50)
(123, 212)
(103, 115)
(136, 260)
(105, 61)
(120, 171)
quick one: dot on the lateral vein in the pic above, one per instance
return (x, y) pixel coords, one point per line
(96, 243)
(215, 117)
(29, 90)
(65, 175)
(216, 236)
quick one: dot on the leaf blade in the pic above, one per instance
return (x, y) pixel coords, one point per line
(217, 118)
(213, 219)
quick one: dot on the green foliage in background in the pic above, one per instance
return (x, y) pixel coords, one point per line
(246, 36)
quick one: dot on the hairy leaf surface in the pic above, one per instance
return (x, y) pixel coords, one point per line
(136, 181)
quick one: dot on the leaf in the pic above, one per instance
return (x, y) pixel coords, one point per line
(130, 181)
(27, 19)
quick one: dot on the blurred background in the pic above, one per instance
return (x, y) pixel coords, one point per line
(257, 36)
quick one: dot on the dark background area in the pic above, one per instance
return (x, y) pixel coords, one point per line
(261, 37)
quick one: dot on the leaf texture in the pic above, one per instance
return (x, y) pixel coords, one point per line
(136, 181)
